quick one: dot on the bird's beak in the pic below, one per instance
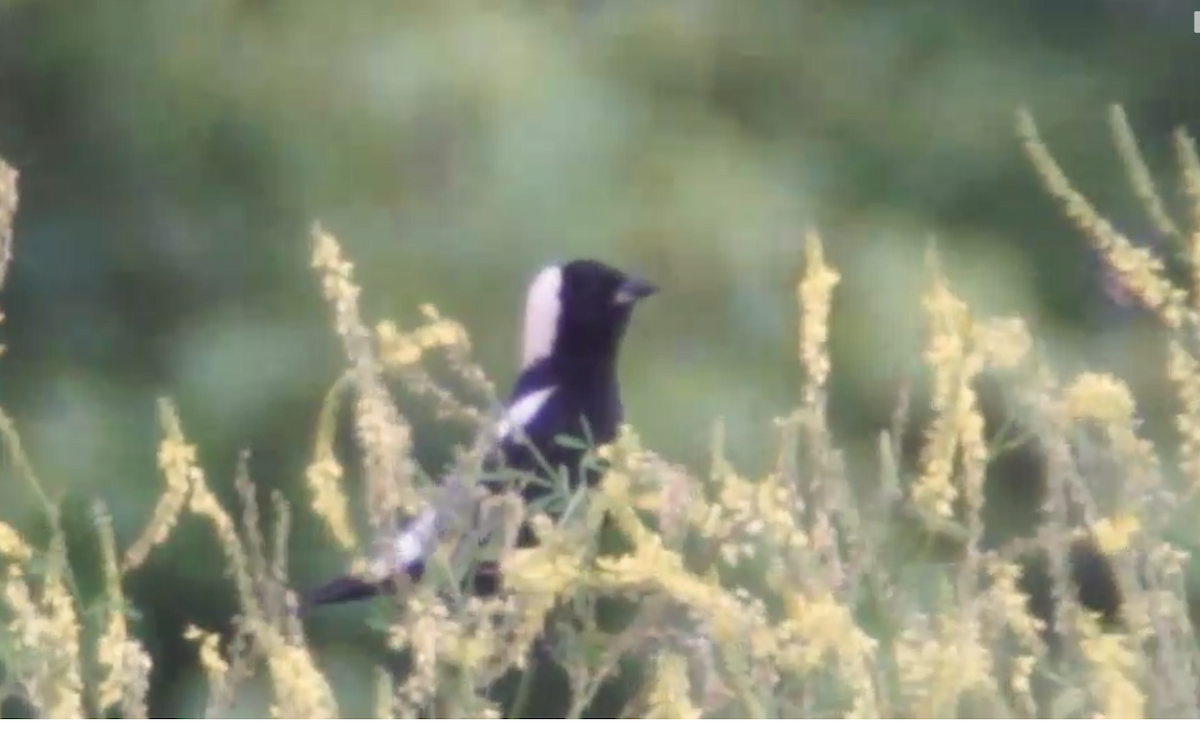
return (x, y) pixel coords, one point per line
(634, 289)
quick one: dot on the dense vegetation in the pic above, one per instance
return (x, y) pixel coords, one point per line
(972, 418)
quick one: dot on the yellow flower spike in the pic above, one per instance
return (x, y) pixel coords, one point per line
(957, 425)
(1003, 342)
(386, 331)
(429, 337)
(12, 544)
(1113, 663)
(616, 485)
(46, 633)
(324, 476)
(210, 653)
(669, 695)
(300, 691)
(403, 352)
(177, 461)
(383, 434)
(124, 662)
(1116, 533)
(450, 334)
(1100, 398)
(1139, 269)
(814, 295)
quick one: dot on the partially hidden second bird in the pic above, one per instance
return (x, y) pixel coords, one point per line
(567, 392)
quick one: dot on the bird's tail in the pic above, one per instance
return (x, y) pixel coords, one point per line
(346, 588)
(404, 553)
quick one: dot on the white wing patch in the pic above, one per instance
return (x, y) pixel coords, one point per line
(522, 412)
(543, 306)
(415, 543)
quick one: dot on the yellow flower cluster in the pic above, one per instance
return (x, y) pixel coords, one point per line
(1114, 664)
(941, 660)
(46, 631)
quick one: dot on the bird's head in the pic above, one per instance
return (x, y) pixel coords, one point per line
(578, 310)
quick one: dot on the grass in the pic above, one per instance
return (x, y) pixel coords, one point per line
(729, 596)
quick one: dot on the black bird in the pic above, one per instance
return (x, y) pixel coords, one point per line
(576, 315)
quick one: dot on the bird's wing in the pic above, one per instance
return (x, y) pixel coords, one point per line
(528, 419)
(536, 413)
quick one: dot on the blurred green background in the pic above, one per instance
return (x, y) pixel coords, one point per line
(173, 154)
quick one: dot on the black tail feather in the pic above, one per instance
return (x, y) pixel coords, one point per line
(343, 589)
(347, 588)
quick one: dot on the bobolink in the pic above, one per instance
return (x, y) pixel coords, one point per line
(567, 393)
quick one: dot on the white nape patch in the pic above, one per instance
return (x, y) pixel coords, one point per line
(413, 545)
(542, 308)
(522, 412)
